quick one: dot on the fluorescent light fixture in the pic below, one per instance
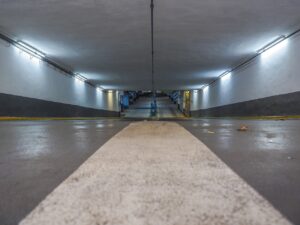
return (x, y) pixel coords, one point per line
(80, 77)
(198, 88)
(30, 50)
(204, 88)
(272, 44)
(100, 88)
(225, 75)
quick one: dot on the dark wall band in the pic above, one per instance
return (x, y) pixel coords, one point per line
(18, 106)
(279, 105)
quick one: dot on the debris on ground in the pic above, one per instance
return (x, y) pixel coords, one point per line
(289, 158)
(243, 128)
(210, 132)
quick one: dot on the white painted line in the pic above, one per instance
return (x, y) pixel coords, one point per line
(154, 173)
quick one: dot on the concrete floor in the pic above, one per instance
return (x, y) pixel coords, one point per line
(267, 156)
(149, 175)
(141, 109)
(35, 157)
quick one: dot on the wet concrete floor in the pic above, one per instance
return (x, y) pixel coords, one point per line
(267, 156)
(36, 156)
(175, 180)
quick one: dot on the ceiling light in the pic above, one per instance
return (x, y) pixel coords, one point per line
(80, 77)
(205, 87)
(271, 44)
(225, 75)
(199, 88)
(30, 50)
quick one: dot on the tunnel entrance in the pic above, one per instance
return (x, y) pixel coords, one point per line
(140, 107)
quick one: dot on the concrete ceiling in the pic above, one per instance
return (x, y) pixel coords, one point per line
(108, 41)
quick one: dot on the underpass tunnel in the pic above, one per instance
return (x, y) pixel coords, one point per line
(156, 112)
(140, 105)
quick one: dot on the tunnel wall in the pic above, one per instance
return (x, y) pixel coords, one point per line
(268, 85)
(180, 100)
(29, 87)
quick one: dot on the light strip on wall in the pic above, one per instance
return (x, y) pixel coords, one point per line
(271, 44)
(30, 50)
(42, 56)
(225, 75)
(80, 77)
(205, 87)
(100, 88)
(260, 51)
(201, 87)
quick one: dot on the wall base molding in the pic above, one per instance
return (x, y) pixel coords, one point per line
(18, 106)
(279, 105)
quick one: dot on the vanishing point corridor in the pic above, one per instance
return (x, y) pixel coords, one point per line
(149, 112)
